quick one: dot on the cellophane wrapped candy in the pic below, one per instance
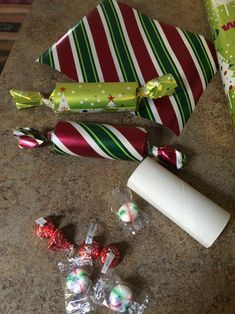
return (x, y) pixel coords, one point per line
(76, 281)
(120, 297)
(127, 211)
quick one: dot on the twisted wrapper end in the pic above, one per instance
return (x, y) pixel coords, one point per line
(59, 242)
(170, 155)
(29, 138)
(25, 99)
(164, 85)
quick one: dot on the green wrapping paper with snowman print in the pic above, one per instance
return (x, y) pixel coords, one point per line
(221, 16)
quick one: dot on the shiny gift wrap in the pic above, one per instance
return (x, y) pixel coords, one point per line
(111, 248)
(103, 140)
(59, 242)
(45, 228)
(221, 15)
(99, 140)
(116, 43)
(97, 97)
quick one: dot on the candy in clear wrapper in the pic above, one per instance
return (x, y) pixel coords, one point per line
(76, 276)
(78, 281)
(118, 296)
(127, 210)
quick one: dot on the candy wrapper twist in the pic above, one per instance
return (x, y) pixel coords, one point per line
(101, 140)
(97, 97)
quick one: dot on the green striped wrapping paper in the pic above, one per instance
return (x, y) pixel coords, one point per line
(116, 43)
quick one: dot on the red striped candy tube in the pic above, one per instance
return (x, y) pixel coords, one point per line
(99, 140)
(103, 141)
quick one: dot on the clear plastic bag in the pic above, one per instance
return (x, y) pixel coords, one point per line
(127, 210)
(77, 284)
(118, 296)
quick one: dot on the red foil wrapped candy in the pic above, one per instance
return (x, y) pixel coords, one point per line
(89, 250)
(58, 242)
(44, 228)
(111, 248)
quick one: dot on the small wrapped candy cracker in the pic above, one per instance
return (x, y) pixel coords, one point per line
(97, 97)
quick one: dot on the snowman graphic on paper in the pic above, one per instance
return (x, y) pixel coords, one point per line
(63, 106)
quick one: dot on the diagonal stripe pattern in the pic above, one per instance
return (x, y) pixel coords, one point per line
(99, 140)
(114, 42)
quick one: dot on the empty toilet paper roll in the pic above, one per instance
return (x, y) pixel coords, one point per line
(188, 208)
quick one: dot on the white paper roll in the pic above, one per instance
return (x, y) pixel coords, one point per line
(188, 208)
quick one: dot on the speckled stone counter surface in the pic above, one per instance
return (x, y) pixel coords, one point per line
(179, 274)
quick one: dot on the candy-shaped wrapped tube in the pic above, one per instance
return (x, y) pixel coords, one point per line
(99, 140)
(221, 16)
(103, 141)
(97, 97)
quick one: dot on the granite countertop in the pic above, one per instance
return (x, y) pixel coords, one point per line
(179, 274)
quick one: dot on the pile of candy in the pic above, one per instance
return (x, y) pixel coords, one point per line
(82, 295)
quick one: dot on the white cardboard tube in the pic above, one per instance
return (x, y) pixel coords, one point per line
(188, 208)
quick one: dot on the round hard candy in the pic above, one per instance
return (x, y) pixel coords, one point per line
(120, 298)
(108, 249)
(78, 281)
(89, 250)
(128, 212)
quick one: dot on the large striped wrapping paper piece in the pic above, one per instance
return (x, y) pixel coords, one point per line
(114, 42)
